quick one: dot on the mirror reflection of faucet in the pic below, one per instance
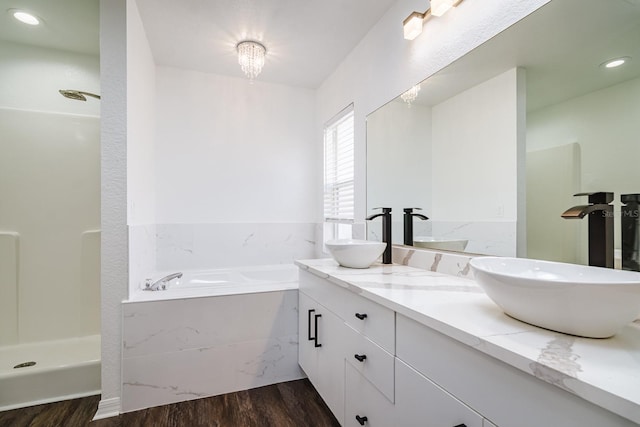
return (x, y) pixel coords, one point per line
(630, 228)
(408, 224)
(600, 213)
(386, 232)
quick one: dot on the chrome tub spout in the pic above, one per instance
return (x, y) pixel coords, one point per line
(151, 285)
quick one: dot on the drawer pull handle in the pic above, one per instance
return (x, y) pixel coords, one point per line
(309, 337)
(362, 420)
(360, 357)
(361, 316)
(461, 425)
(315, 339)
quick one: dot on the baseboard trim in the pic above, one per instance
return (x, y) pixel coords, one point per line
(107, 408)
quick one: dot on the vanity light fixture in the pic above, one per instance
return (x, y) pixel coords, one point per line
(614, 63)
(413, 23)
(251, 57)
(411, 95)
(25, 17)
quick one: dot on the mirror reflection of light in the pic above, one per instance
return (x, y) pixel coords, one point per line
(26, 18)
(613, 63)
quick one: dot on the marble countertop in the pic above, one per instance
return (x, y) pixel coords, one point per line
(605, 372)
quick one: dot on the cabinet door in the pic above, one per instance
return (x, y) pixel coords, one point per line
(320, 352)
(419, 401)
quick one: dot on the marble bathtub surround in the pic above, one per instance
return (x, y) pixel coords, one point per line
(215, 245)
(605, 372)
(182, 349)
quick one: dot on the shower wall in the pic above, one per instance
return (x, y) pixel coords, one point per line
(49, 196)
(49, 217)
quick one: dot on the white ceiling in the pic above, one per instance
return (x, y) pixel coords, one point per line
(305, 39)
(71, 25)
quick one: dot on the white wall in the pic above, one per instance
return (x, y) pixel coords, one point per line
(384, 64)
(235, 169)
(114, 246)
(141, 170)
(230, 151)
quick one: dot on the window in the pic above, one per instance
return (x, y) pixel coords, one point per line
(339, 176)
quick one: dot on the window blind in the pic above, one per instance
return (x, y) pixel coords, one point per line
(339, 168)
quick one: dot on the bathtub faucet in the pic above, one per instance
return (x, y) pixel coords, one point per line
(150, 285)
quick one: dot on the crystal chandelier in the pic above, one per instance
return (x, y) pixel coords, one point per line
(251, 58)
(410, 95)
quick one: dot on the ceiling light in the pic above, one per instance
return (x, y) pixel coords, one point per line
(251, 57)
(411, 95)
(413, 25)
(25, 17)
(613, 63)
(440, 7)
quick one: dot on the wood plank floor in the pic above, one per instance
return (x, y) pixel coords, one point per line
(290, 404)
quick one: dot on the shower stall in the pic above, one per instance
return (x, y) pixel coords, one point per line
(49, 257)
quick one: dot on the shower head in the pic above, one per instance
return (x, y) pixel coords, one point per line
(78, 95)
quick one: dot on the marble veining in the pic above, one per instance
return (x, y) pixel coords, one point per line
(605, 372)
(557, 362)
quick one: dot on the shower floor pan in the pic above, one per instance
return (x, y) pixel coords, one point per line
(63, 369)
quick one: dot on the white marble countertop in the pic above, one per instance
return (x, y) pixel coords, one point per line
(605, 372)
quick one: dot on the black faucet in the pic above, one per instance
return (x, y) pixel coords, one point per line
(408, 224)
(386, 232)
(600, 213)
(630, 227)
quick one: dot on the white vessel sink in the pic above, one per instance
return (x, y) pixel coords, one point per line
(440, 243)
(574, 299)
(355, 253)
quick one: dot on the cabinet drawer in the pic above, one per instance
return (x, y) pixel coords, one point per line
(371, 360)
(370, 319)
(326, 293)
(364, 400)
(421, 402)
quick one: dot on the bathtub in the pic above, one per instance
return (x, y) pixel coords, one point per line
(63, 369)
(210, 332)
(224, 281)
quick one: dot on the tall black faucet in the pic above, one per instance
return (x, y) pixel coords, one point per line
(408, 224)
(630, 227)
(386, 232)
(600, 213)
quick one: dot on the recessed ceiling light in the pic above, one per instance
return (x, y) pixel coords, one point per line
(613, 63)
(25, 17)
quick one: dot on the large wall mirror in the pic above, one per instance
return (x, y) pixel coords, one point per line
(493, 147)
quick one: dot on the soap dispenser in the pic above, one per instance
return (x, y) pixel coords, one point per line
(630, 228)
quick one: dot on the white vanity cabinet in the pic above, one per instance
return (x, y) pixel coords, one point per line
(347, 343)
(320, 351)
(378, 366)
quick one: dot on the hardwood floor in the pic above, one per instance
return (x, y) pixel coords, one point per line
(290, 404)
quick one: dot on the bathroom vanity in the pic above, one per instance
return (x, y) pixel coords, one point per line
(395, 345)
